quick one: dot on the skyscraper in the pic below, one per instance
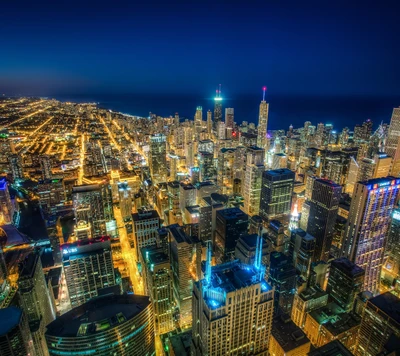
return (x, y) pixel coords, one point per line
(6, 208)
(262, 123)
(393, 142)
(125, 200)
(198, 120)
(276, 193)
(35, 300)
(367, 226)
(346, 281)
(229, 118)
(158, 158)
(323, 208)
(232, 309)
(217, 109)
(106, 325)
(145, 228)
(253, 180)
(380, 324)
(88, 267)
(209, 123)
(15, 336)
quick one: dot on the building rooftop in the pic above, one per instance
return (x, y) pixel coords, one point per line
(380, 182)
(98, 315)
(232, 213)
(343, 323)
(28, 265)
(276, 173)
(288, 335)
(389, 304)
(312, 293)
(9, 318)
(327, 313)
(12, 236)
(305, 235)
(348, 267)
(145, 214)
(154, 256)
(333, 348)
(181, 343)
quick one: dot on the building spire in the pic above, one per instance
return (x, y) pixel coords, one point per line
(207, 274)
(294, 219)
(264, 90)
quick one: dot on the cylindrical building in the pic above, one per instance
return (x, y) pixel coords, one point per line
(107, 325)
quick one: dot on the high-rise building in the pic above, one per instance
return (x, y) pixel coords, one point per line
(229, 118)
(6, 208)
(263, 123)
(145, 228)
(16, 168)
(158, 281)
(106, 325)
(253, 180)
(231, 224)
(45, 166)
(380, 324)
(125, 200)
(301, 249)
(246, 249)
(282, 276)
(232, 309)
(93, 204)
(209, 123)
(217, 109)
(287, 339)
(368, 224)
(276, 193)
(346, 281)
(279, 161)
(15, 336)
(185, 253)
(352, 176)
(88, 268)
(35, 300)
(198, 120)
(393, 142)
(207, 169)
(83, 230)
(323, 208)
(391, 270)
(158, 158)
(51, 194)
(383, 164)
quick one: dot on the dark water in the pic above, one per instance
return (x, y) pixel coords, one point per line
(284, 110)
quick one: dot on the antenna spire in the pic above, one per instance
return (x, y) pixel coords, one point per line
(219, 95)
(264, 90)
(207, 276)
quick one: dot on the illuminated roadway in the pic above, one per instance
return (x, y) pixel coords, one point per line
(26, 117)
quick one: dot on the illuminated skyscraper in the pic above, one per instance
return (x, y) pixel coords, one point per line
(393, 142)
(145, 228)
(88, 267)
(125, 200)
(106, 325)
(229, 118)
(15, 336)
(217, 109)
(253, 179)
(232, 309)
(262, 123)
(158, 158)
(323, 208)
(368, 224)
(35, 300)
(209, 123)
(6, 208)
(198, 120)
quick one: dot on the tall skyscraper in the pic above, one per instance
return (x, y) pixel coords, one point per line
(262, 123)
(253, 180)
(276, 193)
(6, 208)
(35, 300)
(15, 336)
(88, 267)
(393, 142)
(323, 208)
(198, 120)
(145, 228)
(380, 324)
(209, 123)
(158, 158)
(229, 118)
(367, 226)
(107, 325)
(93, 204)
(217, 109)
(232, 309)
(301, 250)
(346, 281)
(125, 200)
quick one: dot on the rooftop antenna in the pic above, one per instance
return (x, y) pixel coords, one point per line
(264, 90)
(207, 276)
(219, 95)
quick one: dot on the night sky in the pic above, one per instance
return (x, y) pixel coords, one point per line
(180, 47)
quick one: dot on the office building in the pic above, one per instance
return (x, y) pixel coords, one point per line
(93, 203)
(334, 348)
(253, 180)
(279, 161)
(185, 253)
(158, 282)
(158, 158)
(276, 193)
(231, 224)
(368, 224)
(15, 336)
(106, 325)
(6, 208)
(301, 250)
(393, 142)
(35, 300)
(51, 193)
(391, 268)
(198, 120)
(187, 195)
(125, 200)
(282, 277)
(346, 281)
(232, 309)
(287, 339)
(380, 323)
(383, 164)
(207, 169)
(145, 228)
(217, 109)
(83, 230)
(246, 248)
(16, 167)
(323, 209)
(209, 123)
(262, 139)
(88, 268)
(229, 119)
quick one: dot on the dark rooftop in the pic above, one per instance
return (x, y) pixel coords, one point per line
(389, 304)
(333, 348)
(232, 213)
(9, 318)
(347, 267)
(181, 343)
(145, 215)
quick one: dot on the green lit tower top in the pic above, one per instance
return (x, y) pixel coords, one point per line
(217, 108)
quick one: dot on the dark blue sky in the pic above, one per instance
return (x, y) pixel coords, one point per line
(181, 47)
